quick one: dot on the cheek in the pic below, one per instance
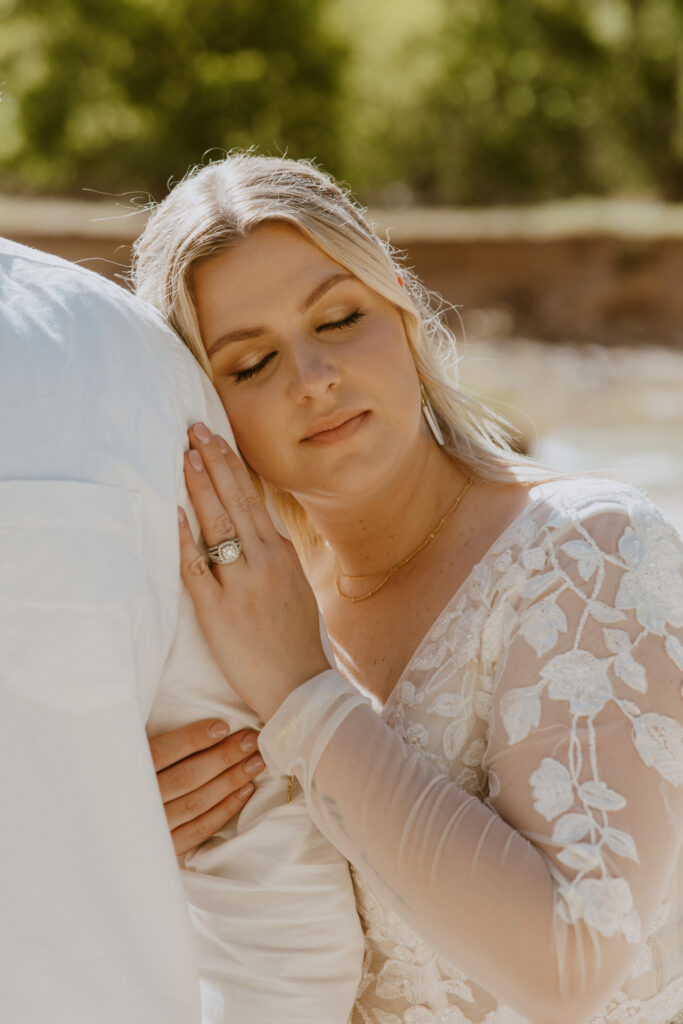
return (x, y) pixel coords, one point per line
(386, 350)
(396, 370)
(255, 433)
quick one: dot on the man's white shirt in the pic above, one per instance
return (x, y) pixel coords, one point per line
(98, 638)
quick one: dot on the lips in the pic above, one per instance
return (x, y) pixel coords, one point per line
(332, 427)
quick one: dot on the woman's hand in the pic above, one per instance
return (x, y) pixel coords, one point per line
(205, 778)
(258, 613)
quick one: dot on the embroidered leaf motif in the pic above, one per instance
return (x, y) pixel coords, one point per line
(631, 672)
(553, 790)
(474, 753)
(431, 656)
(454, 738)
(659, 741)
(570, 828)
(630, 709)
(407, 694)
(483, 705)
(599, 795)
(512, 579)
(537, 585)
(609, 907)
(587, 558)
(580, 678)
(520, 711)
(460, 989)
(417, 735)
(541, 625)
(674, 648)
(468, 779)
(450, 705)
(581, 856)
(534, 559)
(622, 843)
(603, 612)
(652, 584)
(383, 1017)
(606, 904)
(617, 640)
(497, 630)
(660, 917)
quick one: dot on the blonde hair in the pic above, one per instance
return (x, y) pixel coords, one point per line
(215, 206)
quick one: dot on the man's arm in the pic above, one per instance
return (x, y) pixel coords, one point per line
(94, 925)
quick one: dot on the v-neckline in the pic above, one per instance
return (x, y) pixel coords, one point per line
(458, 593)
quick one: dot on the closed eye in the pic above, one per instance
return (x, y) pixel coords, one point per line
(251, 371)
(339, 325)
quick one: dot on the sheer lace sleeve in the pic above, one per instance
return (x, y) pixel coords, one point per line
(545, 893)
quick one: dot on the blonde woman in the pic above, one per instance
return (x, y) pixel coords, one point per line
(512, 804)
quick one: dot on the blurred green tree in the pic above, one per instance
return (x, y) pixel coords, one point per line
(541, 99)
(124, 94)
(444, 101)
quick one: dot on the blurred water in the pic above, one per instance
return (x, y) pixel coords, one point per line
(591, 408)
(651, 459)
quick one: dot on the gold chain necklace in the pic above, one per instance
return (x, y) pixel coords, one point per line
(388, 573)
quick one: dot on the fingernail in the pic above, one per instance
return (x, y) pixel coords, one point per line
(201, 431)
(218, 730)
(254, 765)
(196, 460)
(221, 444)
(248, 743)
(182, 518)
(246, 790)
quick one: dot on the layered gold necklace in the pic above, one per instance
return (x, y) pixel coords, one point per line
(387, 574)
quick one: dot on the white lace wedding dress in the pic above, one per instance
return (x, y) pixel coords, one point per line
(515, 815)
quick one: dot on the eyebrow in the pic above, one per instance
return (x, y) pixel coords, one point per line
(242, 334)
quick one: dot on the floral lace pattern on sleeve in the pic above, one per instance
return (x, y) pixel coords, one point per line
(600, 619)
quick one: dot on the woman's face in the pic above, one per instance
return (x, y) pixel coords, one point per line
(312, 366)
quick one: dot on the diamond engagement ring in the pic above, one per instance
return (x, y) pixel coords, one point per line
(228, 551)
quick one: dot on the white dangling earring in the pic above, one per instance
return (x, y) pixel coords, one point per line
(431, 419)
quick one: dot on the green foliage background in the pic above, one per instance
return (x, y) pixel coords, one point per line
(436, 101)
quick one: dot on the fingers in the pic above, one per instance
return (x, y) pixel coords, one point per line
(194, 832)
(234, 504)
(203, 586)
(173, 746)
(214, 516)
(189, 774)
(196, 803)
(207, 780)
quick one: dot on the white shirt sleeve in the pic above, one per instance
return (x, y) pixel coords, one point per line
(94, 925)
(543, 894)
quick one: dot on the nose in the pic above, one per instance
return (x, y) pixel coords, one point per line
(314, 371)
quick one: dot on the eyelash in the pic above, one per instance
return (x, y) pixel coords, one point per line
(336, 325)
(339, 325)
(251, 371)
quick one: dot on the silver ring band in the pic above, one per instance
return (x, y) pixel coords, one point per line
(226, 552)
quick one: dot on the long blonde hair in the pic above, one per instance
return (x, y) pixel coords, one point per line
(215, 206)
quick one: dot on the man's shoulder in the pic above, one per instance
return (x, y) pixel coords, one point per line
(51, 308)
(50, 276)
(67, 332)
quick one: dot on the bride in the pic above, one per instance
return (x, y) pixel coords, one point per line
(499, 753)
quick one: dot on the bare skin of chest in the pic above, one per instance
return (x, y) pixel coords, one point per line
(375, 639)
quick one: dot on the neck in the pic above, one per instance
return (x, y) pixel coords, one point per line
(370, 532)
